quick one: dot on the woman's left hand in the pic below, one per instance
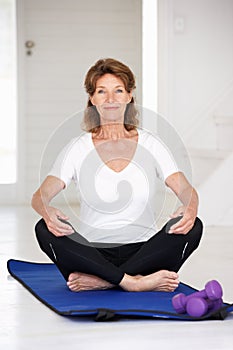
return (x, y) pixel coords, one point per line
(188, 197)
(185, 224)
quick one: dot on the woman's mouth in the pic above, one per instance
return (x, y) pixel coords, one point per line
(111, 107)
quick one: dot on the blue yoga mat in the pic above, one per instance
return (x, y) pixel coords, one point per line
(47, 284)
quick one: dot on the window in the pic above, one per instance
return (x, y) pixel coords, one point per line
(8, 118)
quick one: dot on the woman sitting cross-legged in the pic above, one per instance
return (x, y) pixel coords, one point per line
(115, 166)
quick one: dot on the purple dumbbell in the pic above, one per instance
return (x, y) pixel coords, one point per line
(198, 307)
(212, 291)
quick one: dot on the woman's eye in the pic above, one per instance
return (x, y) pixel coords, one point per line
(119, 90)
(100, 92)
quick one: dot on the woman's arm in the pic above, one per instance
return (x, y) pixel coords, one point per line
(41, 204)
(188, 197)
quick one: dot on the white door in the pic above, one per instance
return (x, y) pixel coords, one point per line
(57, 42)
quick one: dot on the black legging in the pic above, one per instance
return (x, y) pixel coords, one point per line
(162, 251)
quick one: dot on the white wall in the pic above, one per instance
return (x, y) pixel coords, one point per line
(196, 89)
(195, 66)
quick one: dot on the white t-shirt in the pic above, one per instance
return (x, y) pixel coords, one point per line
(115, 207)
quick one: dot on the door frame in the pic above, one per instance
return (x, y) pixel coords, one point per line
(21, 161)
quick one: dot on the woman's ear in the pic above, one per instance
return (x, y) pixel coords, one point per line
(130, 97)
(90, 100)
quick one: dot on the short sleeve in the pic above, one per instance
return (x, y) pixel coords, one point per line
(165, 162)
(64, 167)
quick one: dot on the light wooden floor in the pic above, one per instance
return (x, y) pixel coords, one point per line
(26, 324)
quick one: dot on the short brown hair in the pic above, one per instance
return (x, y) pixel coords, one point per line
(109, 66)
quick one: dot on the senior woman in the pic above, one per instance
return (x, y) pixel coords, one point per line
(115, 166)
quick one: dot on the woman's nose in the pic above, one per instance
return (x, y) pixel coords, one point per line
(109, 98)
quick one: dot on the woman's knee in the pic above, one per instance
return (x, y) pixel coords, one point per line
(41, 230)
(195, 234)
(40, 225)
(198, 226)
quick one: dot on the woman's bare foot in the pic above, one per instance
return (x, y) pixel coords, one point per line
(163, 280)
(78, 282)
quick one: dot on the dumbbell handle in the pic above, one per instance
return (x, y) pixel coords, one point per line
(212, 291)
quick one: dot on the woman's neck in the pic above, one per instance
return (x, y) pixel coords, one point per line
(112, 131)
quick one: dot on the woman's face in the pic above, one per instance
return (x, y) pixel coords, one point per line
(110, 98)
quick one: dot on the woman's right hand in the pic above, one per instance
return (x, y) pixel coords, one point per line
(53, 217)
(54, 220)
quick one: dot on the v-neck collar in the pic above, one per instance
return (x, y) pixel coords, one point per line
(129, 163)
